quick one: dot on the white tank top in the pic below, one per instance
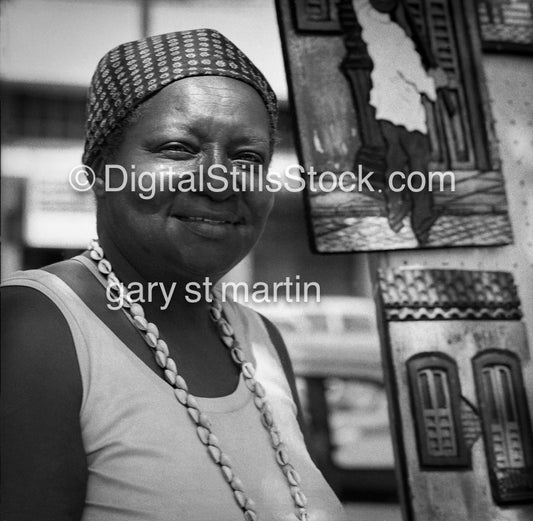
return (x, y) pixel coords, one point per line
(144, 457)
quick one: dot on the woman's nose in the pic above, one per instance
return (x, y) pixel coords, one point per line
(217, 183)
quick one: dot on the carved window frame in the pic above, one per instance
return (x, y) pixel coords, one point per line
(441, 387)
(501, 396)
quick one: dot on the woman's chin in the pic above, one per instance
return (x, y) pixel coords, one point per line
(210, 268)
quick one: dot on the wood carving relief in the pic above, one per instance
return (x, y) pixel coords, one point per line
(456, 349)
(383, 87)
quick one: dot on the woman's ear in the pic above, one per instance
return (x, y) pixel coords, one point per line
(99, 184)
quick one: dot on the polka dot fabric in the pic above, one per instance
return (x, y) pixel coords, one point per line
(132, 72)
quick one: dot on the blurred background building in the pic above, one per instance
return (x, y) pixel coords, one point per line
(49, 50)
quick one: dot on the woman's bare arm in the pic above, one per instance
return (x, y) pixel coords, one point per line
(44, 469)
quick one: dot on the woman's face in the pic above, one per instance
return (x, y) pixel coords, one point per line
(190, 126)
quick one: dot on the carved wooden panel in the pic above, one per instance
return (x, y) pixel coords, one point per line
(332, 63)
(436, 322)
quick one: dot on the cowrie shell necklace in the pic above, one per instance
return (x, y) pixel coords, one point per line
(150, 333)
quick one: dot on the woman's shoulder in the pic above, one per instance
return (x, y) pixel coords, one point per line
(38, 352)
(45, 280)
(26, 278)
(34, 304)
(47, 287)
(28, 299)
(37, 309)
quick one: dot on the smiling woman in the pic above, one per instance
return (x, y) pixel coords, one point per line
(171, 409)
(198, 122)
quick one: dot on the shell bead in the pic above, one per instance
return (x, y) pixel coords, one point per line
(181, 395)
(250, 383)
(275, 438)
(171, 365)
(112, 280)
(117, 294)
(96, 252)
(259, 402)
(250, 515)
(152, 328)
(162, 346)
(215, 453)
(181, 383)
(170, 377)
(236, 484)
(161, 359)
(114, 288)
(215, 314)
(248, 370)
(240, 498)
(137, 310)
(303, 515)
(225, 328)
(95, 255)
(140, 322)
(213, 440)
(224, 460)
(281, 455)
(250, 504)
(228, 473)
(228, 340)
(215, 303)
(237, 355)
(293, 477)
(104, 266)
(259, 390)
(151, 340)
(267, 419)
(266, 407)
(191, 401)
(128, 300)
(299, 498)
(193, 413)
(203, 434)
(205, 421)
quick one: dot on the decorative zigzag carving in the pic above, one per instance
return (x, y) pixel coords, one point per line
(430, 294)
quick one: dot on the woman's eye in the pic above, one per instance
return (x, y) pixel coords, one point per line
(177, 150)
(249, 157)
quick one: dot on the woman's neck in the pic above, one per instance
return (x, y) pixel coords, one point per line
(171, 295)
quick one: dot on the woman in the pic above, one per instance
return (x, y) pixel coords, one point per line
(164, 409)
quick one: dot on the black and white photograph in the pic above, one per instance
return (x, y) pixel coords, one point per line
(266, 260)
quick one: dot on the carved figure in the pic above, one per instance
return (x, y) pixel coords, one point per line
(399, 80)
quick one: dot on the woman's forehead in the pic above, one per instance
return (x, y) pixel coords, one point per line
(207, 108)
(200, 97)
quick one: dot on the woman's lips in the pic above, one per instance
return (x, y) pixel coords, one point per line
(207, 220)
(210, 227)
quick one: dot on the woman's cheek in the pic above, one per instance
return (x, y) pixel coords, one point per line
(261, 203)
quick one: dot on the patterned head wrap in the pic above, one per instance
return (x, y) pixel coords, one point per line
(130, 73)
